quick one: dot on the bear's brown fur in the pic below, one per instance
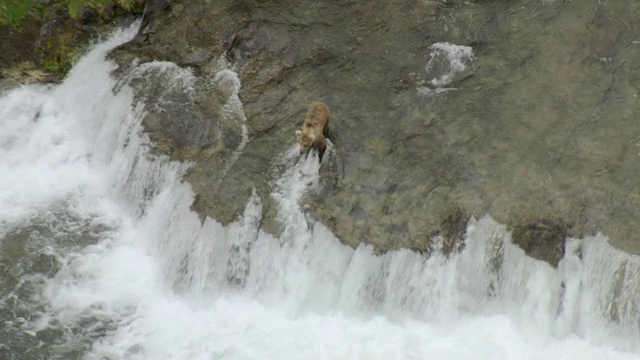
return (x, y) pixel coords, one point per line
(314, 129)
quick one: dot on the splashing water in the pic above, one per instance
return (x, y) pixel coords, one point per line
(447, 63)
(135, 274)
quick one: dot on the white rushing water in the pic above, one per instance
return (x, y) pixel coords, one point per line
(159, 284)
(447, 62)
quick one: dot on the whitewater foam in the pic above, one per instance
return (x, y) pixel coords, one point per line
(446, 63)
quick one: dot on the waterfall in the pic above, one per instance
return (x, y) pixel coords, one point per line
(115, 265)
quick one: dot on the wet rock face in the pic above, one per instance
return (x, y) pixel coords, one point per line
(543, 240)
(441, 110)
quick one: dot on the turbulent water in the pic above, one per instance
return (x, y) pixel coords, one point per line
(101, 258)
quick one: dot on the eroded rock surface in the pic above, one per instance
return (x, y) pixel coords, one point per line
(538, 127)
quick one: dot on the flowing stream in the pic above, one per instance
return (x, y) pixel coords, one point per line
(101, 258)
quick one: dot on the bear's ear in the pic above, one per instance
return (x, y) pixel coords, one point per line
(298, 134)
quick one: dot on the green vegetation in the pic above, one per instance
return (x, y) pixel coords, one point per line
(53, 25)
(58, 54)
(14, 12)
(74, 6)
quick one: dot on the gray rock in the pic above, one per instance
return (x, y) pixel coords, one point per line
(538, 128)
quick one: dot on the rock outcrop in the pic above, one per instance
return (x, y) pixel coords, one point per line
(525, 110)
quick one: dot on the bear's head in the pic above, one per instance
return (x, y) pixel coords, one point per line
(305, 140)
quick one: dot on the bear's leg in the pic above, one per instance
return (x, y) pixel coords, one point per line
(321, 154)
(325, 129)
(321, 145)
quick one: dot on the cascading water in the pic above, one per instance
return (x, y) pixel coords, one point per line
(101, 258)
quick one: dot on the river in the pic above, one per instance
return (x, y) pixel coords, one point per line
(101, 258)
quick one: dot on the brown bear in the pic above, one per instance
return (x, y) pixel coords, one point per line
(314, 129)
